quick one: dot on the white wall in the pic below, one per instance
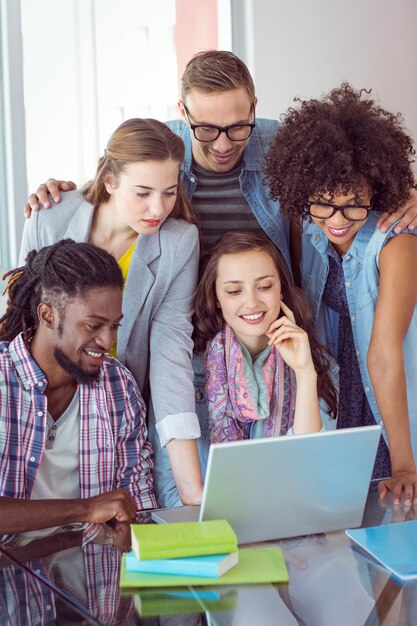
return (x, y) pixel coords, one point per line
(88, 65)
(307, 47)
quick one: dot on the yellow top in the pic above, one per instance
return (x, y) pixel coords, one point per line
(124, 264)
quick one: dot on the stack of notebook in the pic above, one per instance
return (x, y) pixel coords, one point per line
(196, 553)
(207, 549)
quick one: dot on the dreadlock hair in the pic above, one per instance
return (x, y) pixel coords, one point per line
(208, 318)
(55, 274)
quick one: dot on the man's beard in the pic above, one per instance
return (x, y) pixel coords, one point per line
(74, 369)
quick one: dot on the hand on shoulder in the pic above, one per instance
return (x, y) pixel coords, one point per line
(41, 196)
(407, 214)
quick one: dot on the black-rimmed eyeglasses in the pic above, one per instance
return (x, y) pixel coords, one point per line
(357, 213)
(209, 132)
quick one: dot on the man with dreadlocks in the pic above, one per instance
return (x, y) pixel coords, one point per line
(73, 442)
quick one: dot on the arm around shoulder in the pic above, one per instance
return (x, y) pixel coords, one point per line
(71, 218)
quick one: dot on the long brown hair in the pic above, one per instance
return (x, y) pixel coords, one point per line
(208, 318)
(138, 140)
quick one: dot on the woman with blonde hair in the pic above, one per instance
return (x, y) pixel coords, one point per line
(134, 208)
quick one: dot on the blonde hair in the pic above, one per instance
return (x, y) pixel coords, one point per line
(216, 70)
(134, 141)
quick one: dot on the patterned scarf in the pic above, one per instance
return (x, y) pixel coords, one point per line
(231, 406)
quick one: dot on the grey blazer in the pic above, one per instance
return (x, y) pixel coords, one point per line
(154, 340)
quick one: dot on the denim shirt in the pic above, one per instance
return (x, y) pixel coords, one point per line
(256, 193)
(361, 273)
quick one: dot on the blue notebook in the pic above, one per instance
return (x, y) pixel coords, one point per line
(393, 545)
(212, 565)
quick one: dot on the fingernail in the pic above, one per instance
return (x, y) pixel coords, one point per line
(383, 229)
(397, 230)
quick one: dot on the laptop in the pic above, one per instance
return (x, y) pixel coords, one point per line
(286, 486)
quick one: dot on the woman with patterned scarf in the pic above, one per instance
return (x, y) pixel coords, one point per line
(265, 371)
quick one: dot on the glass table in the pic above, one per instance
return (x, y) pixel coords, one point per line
(55, 579)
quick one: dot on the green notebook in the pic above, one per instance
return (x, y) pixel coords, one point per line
(256, 565)
(170, 541)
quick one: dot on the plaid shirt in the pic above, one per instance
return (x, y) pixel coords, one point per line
(113, 450)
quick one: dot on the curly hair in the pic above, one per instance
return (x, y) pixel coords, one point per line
(336, 145)
(208, 318)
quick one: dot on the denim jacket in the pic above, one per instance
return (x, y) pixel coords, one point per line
(361, 273)
(256, 193)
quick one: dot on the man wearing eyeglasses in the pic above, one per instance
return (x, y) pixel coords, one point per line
(223, 176)
(225, 146)
(222, 172)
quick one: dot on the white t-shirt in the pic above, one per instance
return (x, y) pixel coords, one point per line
(58, 474)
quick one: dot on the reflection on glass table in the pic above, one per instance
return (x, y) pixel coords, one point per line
(53, 580)
(72, 577)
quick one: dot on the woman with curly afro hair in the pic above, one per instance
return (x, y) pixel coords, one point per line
(335, 165)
